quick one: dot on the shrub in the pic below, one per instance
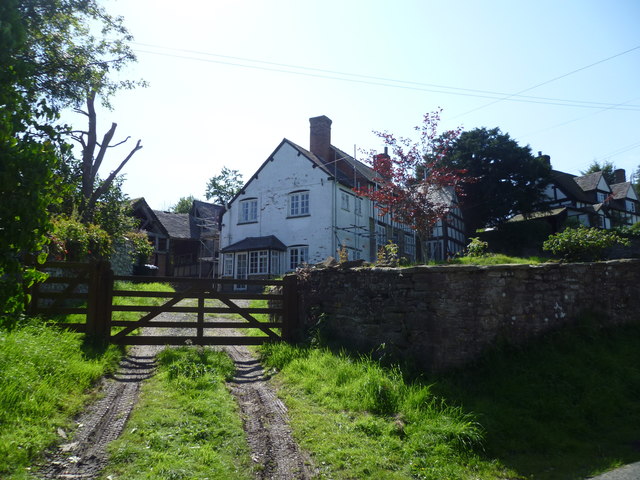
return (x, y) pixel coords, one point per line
(74, 241)
(477, 247)
(582, 244)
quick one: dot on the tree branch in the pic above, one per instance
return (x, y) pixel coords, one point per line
(93, 199)
(103, 149)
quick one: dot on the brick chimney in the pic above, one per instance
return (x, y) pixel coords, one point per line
(619, 175)
(320, 138)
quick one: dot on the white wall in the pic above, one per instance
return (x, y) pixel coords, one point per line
(288, 172)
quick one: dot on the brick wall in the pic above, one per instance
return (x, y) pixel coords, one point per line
(445, 316)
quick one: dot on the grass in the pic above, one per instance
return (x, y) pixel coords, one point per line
(44, 376)
(496, 259)
(146, 301)
(360, 420)
(185, 425)
(564, 408)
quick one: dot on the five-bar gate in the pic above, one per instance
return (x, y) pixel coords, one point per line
(207, 307)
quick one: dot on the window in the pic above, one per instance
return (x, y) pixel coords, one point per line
(409, 244)
(381, 235)
(631, 207)
(298, 204)
(436, 231)
(297, 256)
(162, 244)
(258, 262)
(275, 262)
(601, 197)
(248, 210)
(344, 200)
(227, 267)
(358, 206)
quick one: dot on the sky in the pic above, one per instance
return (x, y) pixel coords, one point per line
(229, 79)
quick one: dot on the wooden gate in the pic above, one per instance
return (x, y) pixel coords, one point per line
(88, 290)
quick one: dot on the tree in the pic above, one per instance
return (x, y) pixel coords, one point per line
(49, 59)
(29, 157)
(607, 169)
(223, 187)
(92, 189)
(509, 179)
(71, 50)
(412, 179)
(183, 205)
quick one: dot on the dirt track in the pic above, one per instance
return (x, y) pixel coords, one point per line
(273, 449)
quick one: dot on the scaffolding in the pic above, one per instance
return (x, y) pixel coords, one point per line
(208, 253)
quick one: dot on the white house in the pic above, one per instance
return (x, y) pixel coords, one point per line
(300, 207)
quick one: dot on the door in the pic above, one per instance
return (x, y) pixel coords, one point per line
(242, 268)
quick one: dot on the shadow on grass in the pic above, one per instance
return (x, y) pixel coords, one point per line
(565, 407)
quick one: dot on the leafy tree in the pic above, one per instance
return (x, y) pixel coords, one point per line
(50, 58)
(224, 186)
(412, 180)
(183, 205)
(607, 169)
(509, 179)
(29, 152)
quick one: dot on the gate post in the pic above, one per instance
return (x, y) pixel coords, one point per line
(100, 301)
(289, 307)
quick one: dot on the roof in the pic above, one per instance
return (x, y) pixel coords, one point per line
(346, 169)
(270, 242)
(177, 225)
(202, 209)
(543, 214)
(589, 182)
(619, 190)
(568, 184)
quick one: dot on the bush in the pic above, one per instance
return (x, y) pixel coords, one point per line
(75, 241)
(477, 248)
(582, 244)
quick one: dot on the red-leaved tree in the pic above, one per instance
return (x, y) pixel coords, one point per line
(413, 186)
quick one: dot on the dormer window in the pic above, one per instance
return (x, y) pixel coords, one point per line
(601, 197)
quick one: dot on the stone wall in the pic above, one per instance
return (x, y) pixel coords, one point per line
(445, 316)
(122, 259)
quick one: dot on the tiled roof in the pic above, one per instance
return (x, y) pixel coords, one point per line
(620, 190)
(345, 168)
(178, 225)
(270, 242)
(568, 183)
(589, 182)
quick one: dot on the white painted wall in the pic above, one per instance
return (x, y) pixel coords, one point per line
(286, 173)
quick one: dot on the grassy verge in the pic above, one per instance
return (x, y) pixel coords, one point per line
(564, 408)
(45, 378)
(359, 420)
(185, 425)
(44, 374)
(496, 259)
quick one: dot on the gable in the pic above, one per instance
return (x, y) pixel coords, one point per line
(603, 185)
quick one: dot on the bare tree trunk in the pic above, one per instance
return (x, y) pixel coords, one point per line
(91, 163)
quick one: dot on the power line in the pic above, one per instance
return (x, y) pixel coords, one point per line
(379, 81)
(508, 97)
